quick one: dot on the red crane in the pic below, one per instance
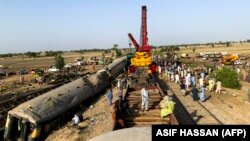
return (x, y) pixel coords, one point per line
(143, 47)
(142, 57)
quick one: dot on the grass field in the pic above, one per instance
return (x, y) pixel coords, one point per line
(17, 63)
(241, 49)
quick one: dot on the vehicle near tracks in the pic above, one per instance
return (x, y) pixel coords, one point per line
(22, 72)
(210, 54)
(53, 69)
(229, 59)
(68, 65)
(185, 55)
(238, 62)
(35, 118)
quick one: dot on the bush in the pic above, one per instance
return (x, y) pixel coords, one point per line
(59, 62)
(117, 51)
(31, 54)
(228, 78)
(228, 44)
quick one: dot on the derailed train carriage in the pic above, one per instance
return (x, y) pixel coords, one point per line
(33, 119)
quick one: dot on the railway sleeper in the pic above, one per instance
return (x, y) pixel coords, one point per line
(158, 97)
(147, 119)
(143, 124)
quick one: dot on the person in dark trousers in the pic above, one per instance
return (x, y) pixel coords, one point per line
(110, 97)
(195, 93)
(124, 83)
(183, 88)
(117, 116)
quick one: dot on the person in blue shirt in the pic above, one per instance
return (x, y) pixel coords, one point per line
(202, 94)
(195, 92)
(110, 97)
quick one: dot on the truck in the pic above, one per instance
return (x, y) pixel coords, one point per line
(229, 59)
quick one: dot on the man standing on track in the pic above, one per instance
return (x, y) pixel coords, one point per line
(145, 98)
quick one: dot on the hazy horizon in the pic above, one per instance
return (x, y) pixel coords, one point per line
(74, 25)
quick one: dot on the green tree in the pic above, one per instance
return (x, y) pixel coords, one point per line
(31, 54)
(212, 45)
(117, 51)
(103, 55)
(81, 51)
(228, 44)
(176, 48)
(194, 49)
(228, 77)
(59, 62)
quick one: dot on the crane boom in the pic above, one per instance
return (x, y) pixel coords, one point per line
(133, 41)
(144, 38)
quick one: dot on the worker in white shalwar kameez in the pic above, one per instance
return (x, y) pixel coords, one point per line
(145, 98)
(177, 78)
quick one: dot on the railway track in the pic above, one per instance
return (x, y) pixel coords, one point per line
(197, 111)
(136, 117)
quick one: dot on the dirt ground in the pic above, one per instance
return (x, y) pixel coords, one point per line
(231, 106)
(17, 63)
(236, 48)
(97, 121)
(12, 84)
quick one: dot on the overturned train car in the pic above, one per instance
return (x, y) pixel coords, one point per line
(33, 119)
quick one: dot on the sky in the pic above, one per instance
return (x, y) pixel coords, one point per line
(31, 25)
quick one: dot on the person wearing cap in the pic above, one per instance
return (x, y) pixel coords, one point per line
(145, 98)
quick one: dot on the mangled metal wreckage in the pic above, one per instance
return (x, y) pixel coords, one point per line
(34, 118)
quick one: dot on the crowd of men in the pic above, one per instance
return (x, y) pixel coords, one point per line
(195, 81)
